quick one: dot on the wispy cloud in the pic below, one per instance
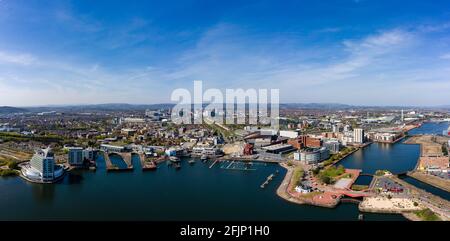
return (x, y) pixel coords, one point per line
(382, 67)
(14, 58)
(445, 56)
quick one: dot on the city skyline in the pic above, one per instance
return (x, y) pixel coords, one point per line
(362, 53)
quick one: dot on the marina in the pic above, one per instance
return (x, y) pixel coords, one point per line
(195, 183)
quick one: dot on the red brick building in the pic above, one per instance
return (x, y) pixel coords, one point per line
(305, 141)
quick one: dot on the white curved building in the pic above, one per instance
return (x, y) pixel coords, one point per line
(42, 167)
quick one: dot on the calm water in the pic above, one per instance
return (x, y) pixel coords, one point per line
(431, 128)
(195, 192)
(191, 193)
(397, 158)
(436, 191)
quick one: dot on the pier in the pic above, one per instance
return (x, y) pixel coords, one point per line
(126, 157)
(237, 166)
(146, 166)
(251, 159)
(268, 179)
(214, 163)
(231, 163)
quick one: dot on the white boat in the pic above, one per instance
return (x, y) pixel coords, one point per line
(174, 159)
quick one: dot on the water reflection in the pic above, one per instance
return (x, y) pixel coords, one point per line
(118, 161)
(43, 193)
(73, 177)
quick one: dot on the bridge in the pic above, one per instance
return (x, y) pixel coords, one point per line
(367, 174)
(351, 200)
(355, 194)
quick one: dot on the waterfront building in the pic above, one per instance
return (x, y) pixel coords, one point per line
(112, 148)
(297, 143)
(89, 154)
(358, 135)
(178, 151)
(257, 139)
(301, 189)
(42, 167)
(207, 151)
(312, 156)
(332, 145)
(278, 148)
(312, 142)
(75, 156)
(387, 137)
(289, 134)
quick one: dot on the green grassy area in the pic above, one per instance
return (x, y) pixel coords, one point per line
(327, 175)
(297, 176)
(359, 187)
(381, 172)
(8, 172)
(11, 136)
(218, 130)
(427, 215)
(12, 164)
(120, 143)
(338, 156)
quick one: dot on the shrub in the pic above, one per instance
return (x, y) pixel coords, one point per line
(427, 215)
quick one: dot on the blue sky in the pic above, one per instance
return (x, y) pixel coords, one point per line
(362, 52)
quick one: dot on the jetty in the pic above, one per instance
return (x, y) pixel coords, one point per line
(214, 163)
(146, 166)
(126, 157)
(268, 179)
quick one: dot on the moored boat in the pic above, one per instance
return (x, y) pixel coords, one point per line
(174, 159)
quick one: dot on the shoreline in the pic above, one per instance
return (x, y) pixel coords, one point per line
(430, 180)
(436, 206)
(283, 193)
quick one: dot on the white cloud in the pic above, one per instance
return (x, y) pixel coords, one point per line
(380, 68)
(14, 58)
(445, 56)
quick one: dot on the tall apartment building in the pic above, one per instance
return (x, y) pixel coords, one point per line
(75, 156)
(358, 135)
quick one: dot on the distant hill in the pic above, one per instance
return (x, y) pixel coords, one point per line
(11, 110)
(315, 106)
(101, 107)
(142, 107)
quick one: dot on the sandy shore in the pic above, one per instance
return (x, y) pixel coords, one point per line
(383, 204)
